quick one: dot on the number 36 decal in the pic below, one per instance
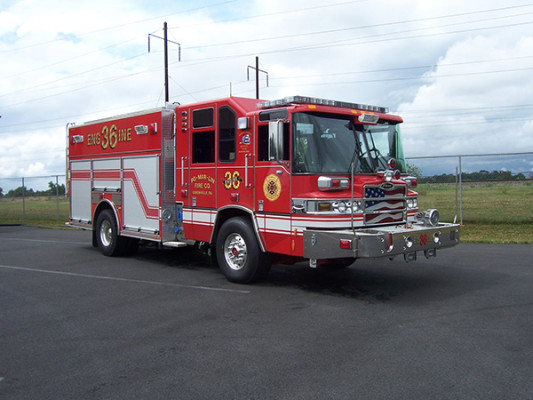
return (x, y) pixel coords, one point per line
(232, 180)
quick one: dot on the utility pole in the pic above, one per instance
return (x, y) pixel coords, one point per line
(166, 61)
(257, 70)
(165, 39)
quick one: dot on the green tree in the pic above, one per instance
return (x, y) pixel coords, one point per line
(413, 170)
(19, 191)
(53, 189)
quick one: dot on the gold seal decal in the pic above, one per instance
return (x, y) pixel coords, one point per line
(272, 187)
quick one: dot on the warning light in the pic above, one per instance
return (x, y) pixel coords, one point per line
(345, 244)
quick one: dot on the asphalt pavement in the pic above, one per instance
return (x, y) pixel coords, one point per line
(165, 324)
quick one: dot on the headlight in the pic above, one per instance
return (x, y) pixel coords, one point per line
(357, 206)
(412, 203)
(329, 206)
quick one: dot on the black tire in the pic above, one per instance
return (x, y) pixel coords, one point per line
(109, 242)
(238, 253)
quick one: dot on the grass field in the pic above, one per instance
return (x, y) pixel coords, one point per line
(39, 211)
(492, 212)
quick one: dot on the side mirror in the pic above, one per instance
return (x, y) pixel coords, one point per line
(275, 140)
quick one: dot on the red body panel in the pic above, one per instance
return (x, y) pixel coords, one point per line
(116, 136)
(205, 173)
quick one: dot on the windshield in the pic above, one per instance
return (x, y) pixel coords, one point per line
(330, 143)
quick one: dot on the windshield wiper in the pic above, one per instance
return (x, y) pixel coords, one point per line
(357, 154)
(380, 158)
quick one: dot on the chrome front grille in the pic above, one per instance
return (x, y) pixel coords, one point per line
(385, 204)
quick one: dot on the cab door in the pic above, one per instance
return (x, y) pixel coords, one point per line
(273, 185)
(235, 160)
(201, 179)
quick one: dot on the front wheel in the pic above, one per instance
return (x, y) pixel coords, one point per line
(107, 238)
(238, 253)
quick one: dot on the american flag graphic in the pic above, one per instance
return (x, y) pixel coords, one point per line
(378, 191)
(384, 205)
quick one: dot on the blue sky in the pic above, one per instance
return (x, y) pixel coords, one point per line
(460, 73)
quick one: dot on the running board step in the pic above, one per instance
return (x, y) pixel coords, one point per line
(175, 244)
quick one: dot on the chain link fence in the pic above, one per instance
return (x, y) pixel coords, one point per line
(35, 199)
(486, 187)
(479, 188)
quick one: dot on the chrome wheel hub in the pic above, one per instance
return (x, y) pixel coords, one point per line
(235, 251)
(106, 233)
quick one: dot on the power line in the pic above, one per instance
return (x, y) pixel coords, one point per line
(130, 40)
(112, 27)
(329, 74)
(330, 44)
(312, 33)
(409, 78)
(95, 83)
(296, 35)
(351, 42)
(455, 111)
(292, 10)
(74, 75)
(460, 123)
(424, 67)
(329, 83)
(348, 42)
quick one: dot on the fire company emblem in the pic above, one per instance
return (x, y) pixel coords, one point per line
(272, 187)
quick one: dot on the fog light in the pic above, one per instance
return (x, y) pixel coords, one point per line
(408, 242)
(436, 237)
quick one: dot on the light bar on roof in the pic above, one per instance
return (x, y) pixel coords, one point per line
(286, 101)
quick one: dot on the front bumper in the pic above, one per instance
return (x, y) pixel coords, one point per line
(384, 241)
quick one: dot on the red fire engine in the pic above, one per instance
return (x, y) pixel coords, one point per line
(254, 182)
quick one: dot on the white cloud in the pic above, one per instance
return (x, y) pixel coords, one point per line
(469, 108)
(77, 61)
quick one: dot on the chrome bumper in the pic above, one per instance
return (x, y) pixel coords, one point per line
(385, 241)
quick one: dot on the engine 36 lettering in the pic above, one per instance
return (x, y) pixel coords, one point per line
(109, 137)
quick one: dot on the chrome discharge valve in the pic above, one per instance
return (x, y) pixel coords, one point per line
(429, 217)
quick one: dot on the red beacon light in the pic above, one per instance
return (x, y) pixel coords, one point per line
(411, 181)
(391, 173)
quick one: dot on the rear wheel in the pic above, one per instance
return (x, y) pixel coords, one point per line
(107, 238)
(238, 253)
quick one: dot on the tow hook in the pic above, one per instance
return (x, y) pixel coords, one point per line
(408, 257)
(429, 253)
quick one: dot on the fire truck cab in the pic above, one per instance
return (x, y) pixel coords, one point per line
(255, 182)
